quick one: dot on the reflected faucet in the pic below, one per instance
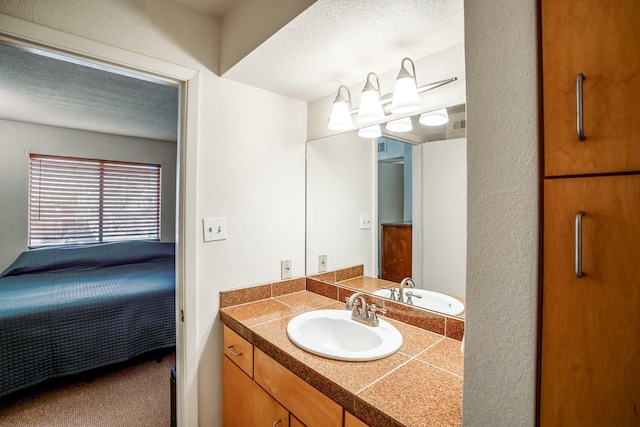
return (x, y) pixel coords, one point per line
(406, 281)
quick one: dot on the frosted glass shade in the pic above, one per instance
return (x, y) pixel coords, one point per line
(400, 125)
(340, 118)
(405, 96)
(435, 118)
(370, 108)
(370, 132)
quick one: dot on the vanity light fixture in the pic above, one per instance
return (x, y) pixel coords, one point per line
(405, 99)
(405, 95)
(400, 125)
(370, 107)
(435, 118)
(340, 114)
(370, 132)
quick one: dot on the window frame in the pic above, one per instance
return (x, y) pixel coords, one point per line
(101, 191)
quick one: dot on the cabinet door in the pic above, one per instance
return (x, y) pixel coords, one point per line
(590, 361)
(601, 39)
(245, 403)
(310, 406)
(396, 252)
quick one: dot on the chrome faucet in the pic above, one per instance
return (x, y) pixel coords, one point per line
(361, 311)
(407, 281)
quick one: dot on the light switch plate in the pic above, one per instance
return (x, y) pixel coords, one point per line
(365, 221)
(214, 229)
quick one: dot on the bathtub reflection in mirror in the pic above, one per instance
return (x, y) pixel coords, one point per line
(383, 209)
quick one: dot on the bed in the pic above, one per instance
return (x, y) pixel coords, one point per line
(66, 310)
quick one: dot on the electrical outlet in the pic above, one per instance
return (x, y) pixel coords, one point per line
(285, 269)
(322, 263)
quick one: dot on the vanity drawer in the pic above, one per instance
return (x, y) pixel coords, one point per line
(238, 350)
(305, 402)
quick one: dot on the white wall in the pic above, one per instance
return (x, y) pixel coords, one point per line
(340, 186)
(250, 172)
(21, 139)
(502, 250)
(444, 216)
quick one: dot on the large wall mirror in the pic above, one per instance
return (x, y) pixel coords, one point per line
(395, 205)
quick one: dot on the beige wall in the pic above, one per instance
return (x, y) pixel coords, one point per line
(21, 139)
(502, 264)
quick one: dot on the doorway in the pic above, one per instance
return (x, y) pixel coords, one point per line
(28, 34)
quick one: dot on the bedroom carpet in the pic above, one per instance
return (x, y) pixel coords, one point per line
(134, 394)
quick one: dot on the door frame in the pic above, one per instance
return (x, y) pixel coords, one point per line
(186, 213)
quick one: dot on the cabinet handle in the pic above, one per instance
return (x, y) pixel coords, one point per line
(579, 108)
(230, 348)
(276, 422)
(578, 254)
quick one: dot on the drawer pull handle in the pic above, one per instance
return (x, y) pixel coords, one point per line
(276, 422)
(578, 246)
(579, 108)
(230, 348)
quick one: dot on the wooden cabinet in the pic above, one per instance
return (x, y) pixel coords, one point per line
(245, 403)
(601, 40)
(352, 421)
(590, 325)
(590, 366)
(305, 402)
(395, 252)
(274, 394)
(238, 350)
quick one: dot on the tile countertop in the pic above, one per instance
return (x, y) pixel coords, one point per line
(420, 385)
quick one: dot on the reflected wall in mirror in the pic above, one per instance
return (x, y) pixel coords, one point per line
(395, 205)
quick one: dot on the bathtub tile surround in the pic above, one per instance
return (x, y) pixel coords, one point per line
(373, 391)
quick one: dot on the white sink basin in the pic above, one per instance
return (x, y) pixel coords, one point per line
(434, 301)
(333, 334)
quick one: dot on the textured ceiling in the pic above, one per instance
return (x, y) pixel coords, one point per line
(44, 90)
(333, 42)
(210, 7)
(337, 42)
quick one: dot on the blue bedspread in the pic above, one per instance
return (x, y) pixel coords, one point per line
(67, 310)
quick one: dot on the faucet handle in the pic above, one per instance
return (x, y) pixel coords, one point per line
(411, 295)
(392, 291)
(373, 318)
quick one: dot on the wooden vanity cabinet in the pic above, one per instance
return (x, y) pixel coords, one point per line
(266, 391)
(352, 421)
(601, 40)
(245, 403)
(309, 405)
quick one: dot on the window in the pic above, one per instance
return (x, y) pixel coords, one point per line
(88, 201)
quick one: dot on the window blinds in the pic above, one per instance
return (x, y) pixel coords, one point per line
(87, 201)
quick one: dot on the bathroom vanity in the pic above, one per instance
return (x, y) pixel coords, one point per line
(267, 378)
